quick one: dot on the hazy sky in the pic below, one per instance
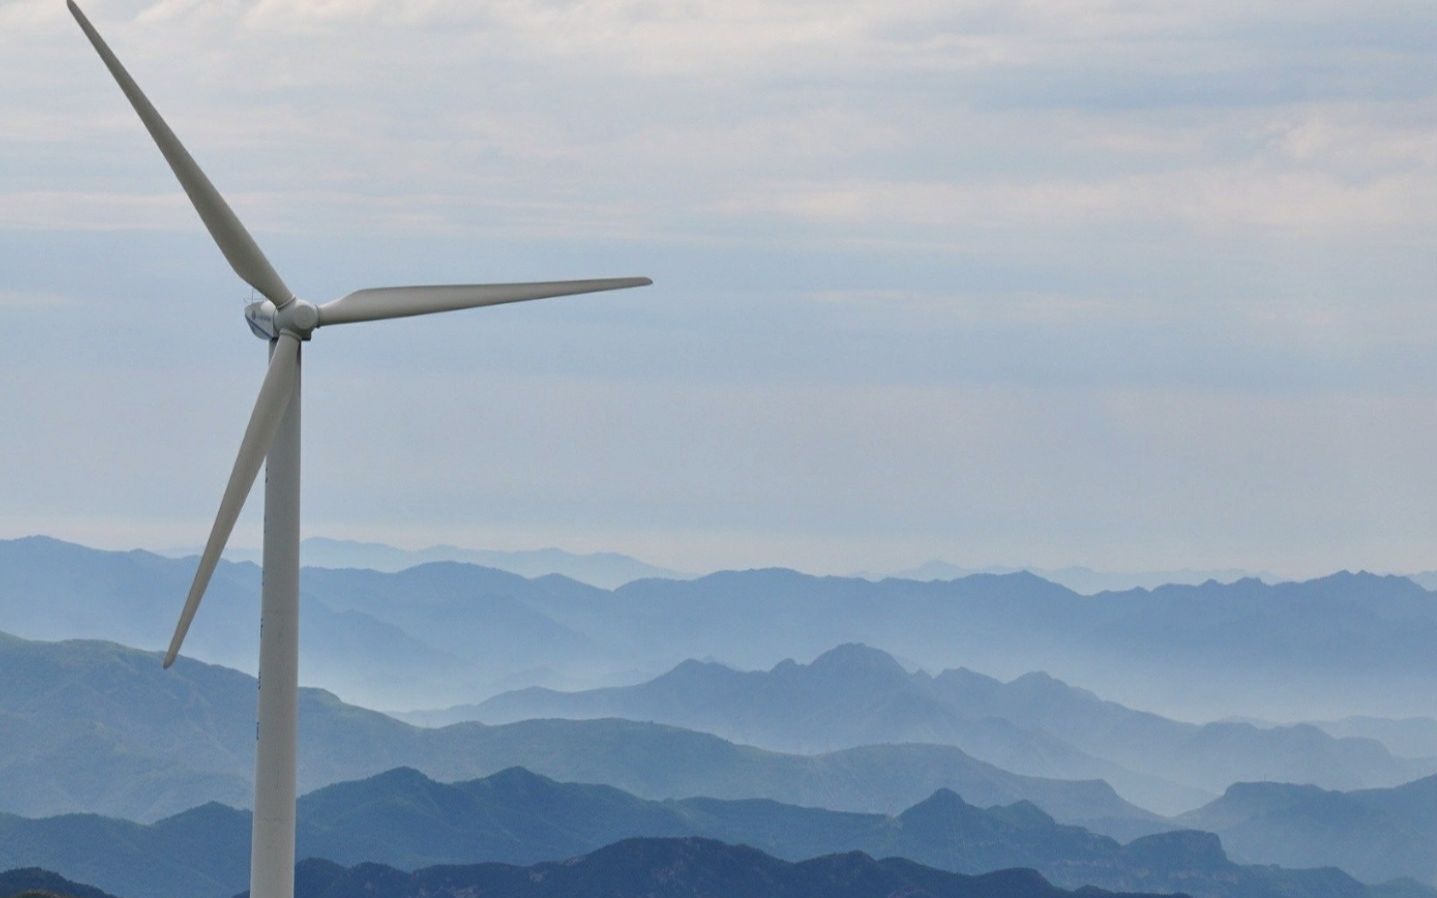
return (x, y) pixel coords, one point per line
(1127, 284)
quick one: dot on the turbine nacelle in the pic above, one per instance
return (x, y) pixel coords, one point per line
(298, 317)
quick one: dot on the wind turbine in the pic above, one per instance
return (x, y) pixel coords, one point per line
(272, 437)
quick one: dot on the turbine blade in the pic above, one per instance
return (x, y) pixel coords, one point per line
(400, 302)
(264, 421)
(234, 241)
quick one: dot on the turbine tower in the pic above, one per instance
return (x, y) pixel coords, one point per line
(272, 437)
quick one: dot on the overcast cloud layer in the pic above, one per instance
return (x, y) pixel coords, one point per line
(1130, 284)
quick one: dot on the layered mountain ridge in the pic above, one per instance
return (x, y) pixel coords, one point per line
(451, 632)
(856, 695)
(94, 726)
(406, 820)
(675, 868)
(133, 740)
(1372, 833)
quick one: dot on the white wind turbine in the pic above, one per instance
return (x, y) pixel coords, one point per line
(272, 437)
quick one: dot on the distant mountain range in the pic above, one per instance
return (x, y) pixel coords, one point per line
(603, 569)
(444, 633)
(610, 570)
(92, 726)
(855, 695)
(1371, 833)
(405, 820)
(1413, 737)
(1426, 579)
(1079, 579)
(849, 697)
(613, 569)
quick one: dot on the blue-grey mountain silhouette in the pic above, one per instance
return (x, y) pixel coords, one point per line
(602, 569)
(1035, 724)
(132, 740)
(33, 882)
(1374, 834)
(674, 868)
(453, 632)
(403, 819)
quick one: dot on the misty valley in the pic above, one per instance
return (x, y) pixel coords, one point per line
(472, 731)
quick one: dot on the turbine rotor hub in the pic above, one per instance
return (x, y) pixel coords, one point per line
(298, 317)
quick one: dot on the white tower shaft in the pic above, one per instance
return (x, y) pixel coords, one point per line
(272, 837)
(272, 438)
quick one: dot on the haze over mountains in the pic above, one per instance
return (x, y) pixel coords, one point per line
(855, 695)
(98, 727)
(1426, 579)
(132, 740)
(1079, 579)
(447, 633)
(610, 570)
(603, 569)
(905, 750)
(1372, 833)
(1410, 736)
(405, 820)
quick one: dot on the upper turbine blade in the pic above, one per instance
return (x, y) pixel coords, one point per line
(264, 421)
(399, 302)
(234, 241)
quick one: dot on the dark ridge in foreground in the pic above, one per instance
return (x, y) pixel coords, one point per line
(674, 868)
(32, 882)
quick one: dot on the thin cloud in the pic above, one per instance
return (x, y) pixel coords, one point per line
(1192, 237)
(25, 299)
